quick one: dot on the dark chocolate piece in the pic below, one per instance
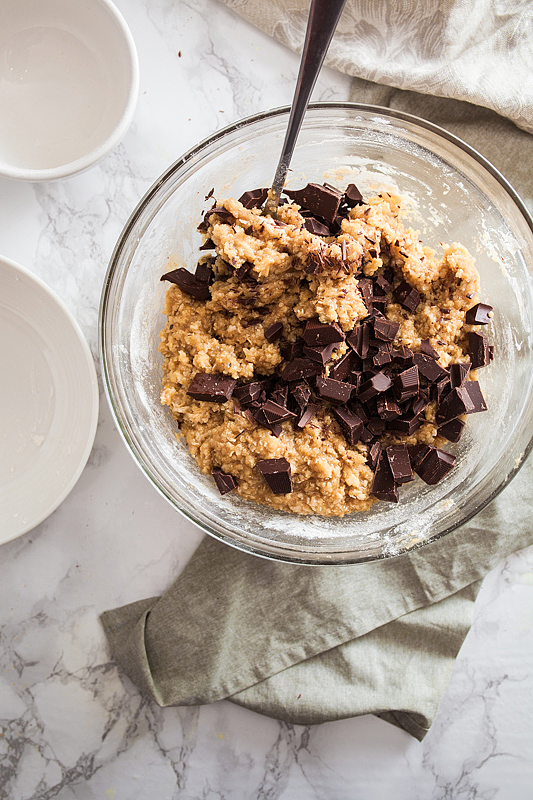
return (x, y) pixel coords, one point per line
(222, 213)
(243, 273)
(281, 396)
(249, 392)
(458, 373)
(253, 198)
(435, 465)
(399, 463)
(301, 394)
(318, 334)
(366, 287)
(377, 384)
(225, 483)
(351, 424)
(408, 423)
(188, 283)
(320, 354)
(383, 356)
(478, 348)
(373, 455)
(208, 245)
(406, 384)
(274, 331)
(204, 272)
(428, 350)
(479, 314)
(352, 196)
(387, 408)
(407, 296)
(276, 413)
(342, 368)
(476, 396)
(455, 404)
(429, 368)
(451, 430)
(211, 387)
(359, 340)
(308, 414)
(336, 391)
(383, 485)
(381, 285)
(277, 473)
(300, 368)
(402, 355)
(314, 226)
(417, 452)
(323, 201)
(385, 329)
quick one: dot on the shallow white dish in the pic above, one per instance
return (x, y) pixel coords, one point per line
(48, 401)
(69, 81)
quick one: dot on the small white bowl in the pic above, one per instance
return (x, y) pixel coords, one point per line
(69, 81)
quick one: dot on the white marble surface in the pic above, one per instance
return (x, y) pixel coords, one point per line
(71, 725)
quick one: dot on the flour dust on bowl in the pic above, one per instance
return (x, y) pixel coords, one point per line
(450, 194)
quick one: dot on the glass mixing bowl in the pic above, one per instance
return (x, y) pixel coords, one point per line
(452, 195)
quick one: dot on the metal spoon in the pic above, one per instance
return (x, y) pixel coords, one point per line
(321, 23)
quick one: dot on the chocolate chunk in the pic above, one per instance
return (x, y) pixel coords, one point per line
(222, 213)
(428, 350)
(211, 387)
(314, 226)
(458, 373)
(277, 473)
(429, 368)
(323, 201)
(336, 391)
(479, 314)
(366, 287)
(204, 272)
(261, 419)
(373, 455)
(253, 198)
(359, 340)
(308, 414)
(456, 403)
(274, 331)
(402, 355)
(451, 430)
(249, 392)
(476, 396)
(417, 452)
(435, 465)
(243, 272)
(320, 354)
(381, 285)
(376, 426)
(301, 394)
(407, 423)
(341, 369)
(383, 356)
(300, 368)
(294, 350)
(478, 349)
(280, 395)
(225, 483)
(321, 333)
(407, 296)
(352, 196)
(383, 485)
(387, 408)
(188, 283)
(406, 384)
(399, 463)
(376, 385)
(385, 329)
(208, 245)
(351, 424)
(276, 413)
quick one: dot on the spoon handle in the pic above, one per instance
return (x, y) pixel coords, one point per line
(322, 21)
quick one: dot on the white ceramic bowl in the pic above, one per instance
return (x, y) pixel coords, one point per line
(69, 80)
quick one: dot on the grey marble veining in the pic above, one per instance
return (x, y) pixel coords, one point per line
(72, 727)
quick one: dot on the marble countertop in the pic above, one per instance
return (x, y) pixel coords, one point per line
(72, 727)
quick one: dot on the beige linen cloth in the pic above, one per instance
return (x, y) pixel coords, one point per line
(314, 644)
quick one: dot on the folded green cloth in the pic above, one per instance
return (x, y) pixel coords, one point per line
(313, 644)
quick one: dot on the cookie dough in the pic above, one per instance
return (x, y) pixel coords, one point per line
(275, 275)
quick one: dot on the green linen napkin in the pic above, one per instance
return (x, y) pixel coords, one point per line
(314, 644)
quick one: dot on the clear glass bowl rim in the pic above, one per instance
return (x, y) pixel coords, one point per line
(274, 551)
